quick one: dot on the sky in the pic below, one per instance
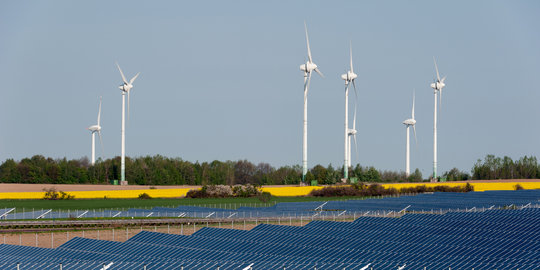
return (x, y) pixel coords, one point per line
(220, 80)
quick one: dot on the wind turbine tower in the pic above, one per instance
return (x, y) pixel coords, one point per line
(409, 122)
(125, 88)
(96, 129)
(437, 86)
(307, 68)
(349, 78)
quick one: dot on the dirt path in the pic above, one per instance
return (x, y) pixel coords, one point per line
(55, 239)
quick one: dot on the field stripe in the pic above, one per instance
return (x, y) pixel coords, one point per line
(275, 191)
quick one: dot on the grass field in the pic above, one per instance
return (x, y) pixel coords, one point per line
(164, 202)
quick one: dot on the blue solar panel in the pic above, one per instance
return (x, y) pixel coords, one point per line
(505, 238)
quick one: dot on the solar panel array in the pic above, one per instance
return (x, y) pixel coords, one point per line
(491, 239)
(422, 202)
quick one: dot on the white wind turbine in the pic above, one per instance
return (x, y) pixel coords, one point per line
(125, 87)
(96, 129)
(349, 78)
(437, 88)
(307, 68)
(410, 122)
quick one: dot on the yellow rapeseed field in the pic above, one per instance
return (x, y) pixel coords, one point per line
(112, 194)
(477, 186)
(275, 191)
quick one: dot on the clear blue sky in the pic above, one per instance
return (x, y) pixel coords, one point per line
(220, 79)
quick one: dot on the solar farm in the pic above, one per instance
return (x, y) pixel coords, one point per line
(475, 230)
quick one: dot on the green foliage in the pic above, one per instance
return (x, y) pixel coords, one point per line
(159, 170)
(52, 194)
(145, 196)
(456, 175)
(505, 168)
(264, 196)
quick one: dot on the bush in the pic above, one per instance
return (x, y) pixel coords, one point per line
(145, 196)
(223, 191)
(264, 196)
(52, 194)
(365, 190)
(518, 187)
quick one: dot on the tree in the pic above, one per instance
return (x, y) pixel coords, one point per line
(416, 176)
(243, 172)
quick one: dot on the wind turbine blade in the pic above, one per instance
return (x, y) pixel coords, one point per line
(121, 73)
(350, 53)
(414, 93)
(354, 117)
(355, 93)
(355, 104)
(444, 78)
(415, 139)
(128, 105)
(306, 88)
(437, 69)
(355, 148)
(134, 77)
(99, 112)
(307, 41)
(319, 72)
(440, 99)
(101, 142)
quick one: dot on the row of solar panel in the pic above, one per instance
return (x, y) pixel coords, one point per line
(422, 202)
(384, 243)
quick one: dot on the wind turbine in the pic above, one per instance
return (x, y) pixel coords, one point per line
(125, 87)
(437, 86)
(307, 68)
(349, 78)
(94, 129)
(410, 122)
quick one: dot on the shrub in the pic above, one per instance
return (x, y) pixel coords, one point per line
(223, 191)
(264, 196)
(245, 191)
(145, 196)
(52, 194)
(197, 193)
(362, 189)
(219, 191)
(518, 187)
(469, 187)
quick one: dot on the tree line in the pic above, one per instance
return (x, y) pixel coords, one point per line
(160, 170)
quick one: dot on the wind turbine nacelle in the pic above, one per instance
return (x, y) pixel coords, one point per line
(437, 85)
(125, 87)
(352, 131)
(349, 76)
(308, 67)
(409, 122)
(94, 128)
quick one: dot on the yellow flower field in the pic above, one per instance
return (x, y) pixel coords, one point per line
(123, 194)
(276, 191)
(477, 186)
